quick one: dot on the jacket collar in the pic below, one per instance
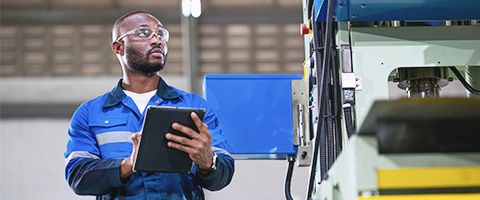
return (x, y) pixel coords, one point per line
(117, 95)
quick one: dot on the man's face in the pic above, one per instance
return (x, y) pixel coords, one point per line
(146, 56)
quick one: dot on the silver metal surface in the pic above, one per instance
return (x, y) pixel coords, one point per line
(304, 155)
(301, 136)
(349, 81)
(300, 112)
(440, 74)
(423, 88)
(299, 98)
(422, 82)
(346, 58)
(472, 76)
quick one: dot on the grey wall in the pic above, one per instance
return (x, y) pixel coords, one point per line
(32, 160)
(64, 89)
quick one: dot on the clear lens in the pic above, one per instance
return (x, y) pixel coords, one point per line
(143, 33)
(163, 33)
(146, 33)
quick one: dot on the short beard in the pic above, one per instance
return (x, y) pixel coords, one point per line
(139, 63)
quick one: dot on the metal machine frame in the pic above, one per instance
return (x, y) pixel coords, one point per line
(380, 50)
(373, 52)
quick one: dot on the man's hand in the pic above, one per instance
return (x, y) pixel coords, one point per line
(126, 168)
(198, 147)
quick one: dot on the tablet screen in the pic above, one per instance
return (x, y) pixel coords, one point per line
(153, 153)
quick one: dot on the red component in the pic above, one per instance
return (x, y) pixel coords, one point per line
(304, 29)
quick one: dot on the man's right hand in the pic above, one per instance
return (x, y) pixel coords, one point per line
(126, 168)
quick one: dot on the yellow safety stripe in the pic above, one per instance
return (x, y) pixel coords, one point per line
(475, 196)
(440, 177)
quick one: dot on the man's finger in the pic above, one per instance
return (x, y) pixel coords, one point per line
(178, 139)
(180, 147)
(184, 129)
(198, 122)
(136, 137)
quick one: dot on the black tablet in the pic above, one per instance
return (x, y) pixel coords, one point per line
(153, 153)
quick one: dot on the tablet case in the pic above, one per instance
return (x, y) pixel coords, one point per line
(153, 153)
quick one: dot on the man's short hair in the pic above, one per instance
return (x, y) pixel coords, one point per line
(118, 22)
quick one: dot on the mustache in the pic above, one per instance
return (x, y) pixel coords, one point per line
(156, 48)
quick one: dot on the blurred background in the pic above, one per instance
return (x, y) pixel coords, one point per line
(56, 54)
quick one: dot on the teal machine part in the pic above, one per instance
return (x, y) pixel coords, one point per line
(381, 10)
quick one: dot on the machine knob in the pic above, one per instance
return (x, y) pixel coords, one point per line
(304, 29)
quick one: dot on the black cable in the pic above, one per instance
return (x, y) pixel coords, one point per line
(330, 123)
(336, 103)
(465, 84)
(288, 179)
(347, 110)
(320, 144)
(326, 66)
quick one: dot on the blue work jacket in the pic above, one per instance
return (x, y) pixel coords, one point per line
(100, 138)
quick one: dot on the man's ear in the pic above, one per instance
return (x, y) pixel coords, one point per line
(117, 48)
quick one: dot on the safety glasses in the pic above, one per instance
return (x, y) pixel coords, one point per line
(144, 34)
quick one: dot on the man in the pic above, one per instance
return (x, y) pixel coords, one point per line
(104, 132)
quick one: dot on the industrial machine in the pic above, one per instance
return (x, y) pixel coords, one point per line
(369, 115)
(369, 144)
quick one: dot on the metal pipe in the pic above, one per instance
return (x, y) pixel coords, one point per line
(423, 88)
(472, 76)
(190, 53)
(422, 82)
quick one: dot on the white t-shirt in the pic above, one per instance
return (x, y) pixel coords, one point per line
(141, 100)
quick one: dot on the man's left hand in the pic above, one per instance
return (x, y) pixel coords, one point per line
(198, 147)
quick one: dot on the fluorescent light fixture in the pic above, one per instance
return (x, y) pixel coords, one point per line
(186, 7)
(196, 8)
